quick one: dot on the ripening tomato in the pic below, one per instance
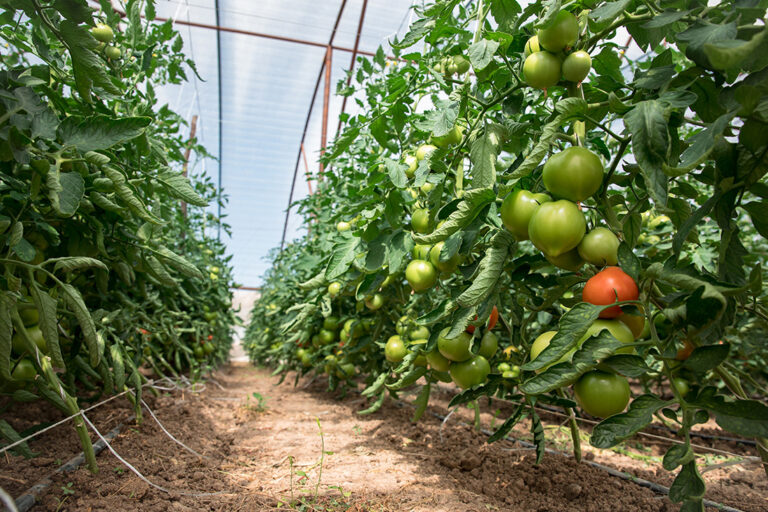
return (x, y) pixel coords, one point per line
(561, 34)
(424, 150)
(493, 318)
(420, 221)
(532, 45)
(541, 70)
(557, 227)
(470, 373)
(517, 209)
(438, 361)
(334, 288)
(602, 394)
(618, 329)
(343, 226)
(443, 266)
(600, 247)
(609, 286)
(455, 349)
(576, 66)
(102, 32)
(395, 350)
(421, 275)
(685, 352)
(542, 342)
(489, 344)
(574, 174)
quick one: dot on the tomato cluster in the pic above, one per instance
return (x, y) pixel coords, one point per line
(547, 59)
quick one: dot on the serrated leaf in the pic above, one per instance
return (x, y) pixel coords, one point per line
(474, 200)
(48, 323)
(688, 484)
(490, 269)
(179, 187)
(482, 154)
(440, 120)
(65, 190)
(76, 304)
(7, 431)
(6, 336)
(421, 403)
(472, 394)
(608, 12)
(71, 263)
(611, 431)
(344, 253)
(647, 123)
(177, 261)
(100, 132)
(481, 53)
(507, 426)
(125, 193)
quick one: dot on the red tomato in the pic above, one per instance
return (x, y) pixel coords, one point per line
(492, 321)
(609, 286)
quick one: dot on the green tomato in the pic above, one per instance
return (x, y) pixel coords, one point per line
(345, 371)
(438, 361)
(424, 150)
(208, 348)
(517, 210)
(395, 350)
(198, 352)
(504, 367)
(462, 64)
(618, 329)
(542, 70)
(102, 32)
(35, 334)
(343, 226)
(561, 34)
(600, 247)
(374, 302)
(454, 136)
(413, 163)
(40, 165)
(420, 221)
(427, 188)
(574, 174)
(334, 289)
(451, 68)
(354, 328)
(331, 323)
(532, 45)
(602, 394)
(576, 66)
(681, 385)
(25, 371)
(29, 316)
(421, 275)
(570, 260)
(403, 324)
(489, 344)
(470, 373)
(542, 342)
(326, 337)
(456, 349)
(557, 227)
(419, 333)
(443, 266)
(113, 52)
(421, 251)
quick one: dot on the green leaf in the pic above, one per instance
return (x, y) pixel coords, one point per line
(507, 426)
(748, 418)
(608, 12)
(124, 192)
(76, 11)
(681, 235)
(665, 18)
(417, 31)
(6, 336)
(375, 386)
(611, 431)
(71, 263)
(591, 352)
(396, 171)
(178, 262)
(7, 431)
(539, 439)
(179, 187)
(409, 378)
(421, 403)
(89, 69)
(573, 326)
(704, 33)
(483, 155)
(481, 53)
(118, 366)
(474, 200)
(688, 484)
(629, 262)
(647, 123)
(758, 212)
(76, 304)
(472, 394)
(65, 190)
(701, 143)
(489, 271)
(159, 271)
(100, 132)
(398, 251)
(344, 253)
(376, 405)
(46, 308)
(731, 54)
(706, 358)
(627, 364)
(677, 455)
(441, 120)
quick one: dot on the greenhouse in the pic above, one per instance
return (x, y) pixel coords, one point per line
(353, 255)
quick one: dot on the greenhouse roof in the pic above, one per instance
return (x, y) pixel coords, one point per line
(258, 75)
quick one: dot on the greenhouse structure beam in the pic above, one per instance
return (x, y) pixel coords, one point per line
(355, 52)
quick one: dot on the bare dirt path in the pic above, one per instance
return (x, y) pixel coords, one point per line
(380, 462)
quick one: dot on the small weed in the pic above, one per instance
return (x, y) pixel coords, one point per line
(67, 490)
(259, 403)
(119, 470)
(59, 462)
(357, 430)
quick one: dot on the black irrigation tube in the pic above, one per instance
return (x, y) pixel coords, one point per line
(27, 500)
(657, 488)
(748, 442)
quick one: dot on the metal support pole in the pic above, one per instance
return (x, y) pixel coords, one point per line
(221, 123)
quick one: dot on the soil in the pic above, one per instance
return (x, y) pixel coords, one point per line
(257, 456)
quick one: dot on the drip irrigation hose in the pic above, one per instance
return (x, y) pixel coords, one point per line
(27, 500)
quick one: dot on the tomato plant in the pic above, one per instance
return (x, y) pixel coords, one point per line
(638, 180)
